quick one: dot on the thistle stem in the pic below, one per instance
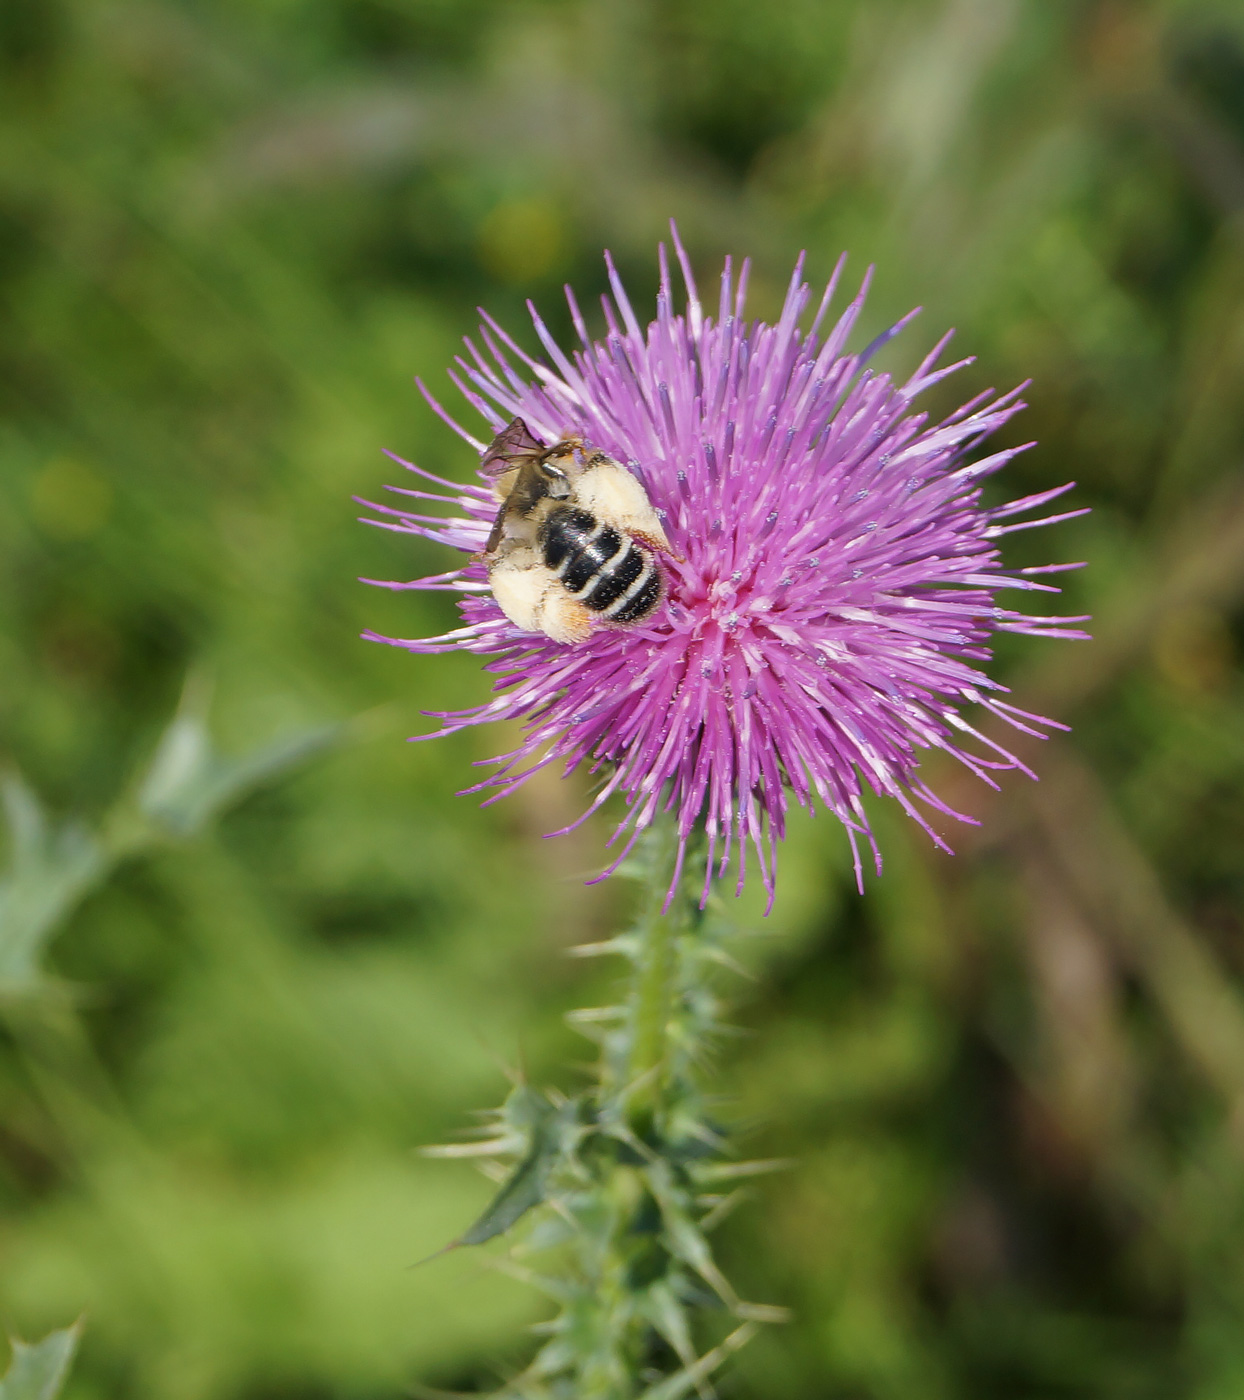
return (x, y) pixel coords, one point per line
(652, 1001)
(632, 1168)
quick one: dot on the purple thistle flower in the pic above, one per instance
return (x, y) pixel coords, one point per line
(835, 594)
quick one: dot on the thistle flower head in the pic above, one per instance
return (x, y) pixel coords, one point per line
(833, 585)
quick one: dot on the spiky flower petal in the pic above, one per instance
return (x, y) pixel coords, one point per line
(835, 594)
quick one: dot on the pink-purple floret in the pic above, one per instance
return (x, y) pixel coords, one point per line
(836, 587)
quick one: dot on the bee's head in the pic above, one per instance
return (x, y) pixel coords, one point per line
(554, 477)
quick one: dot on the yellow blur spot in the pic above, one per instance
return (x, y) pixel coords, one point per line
(1193, 650)
(69, 500)
(521, 240)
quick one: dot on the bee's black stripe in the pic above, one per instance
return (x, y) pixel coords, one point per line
(615, 580)
(599, 565)
(591, 560)
(565, 533)
(643, 597)
(577, 547)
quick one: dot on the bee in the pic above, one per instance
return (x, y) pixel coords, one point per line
(575, 538)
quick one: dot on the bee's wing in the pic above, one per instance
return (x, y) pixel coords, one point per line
(498, 531)
(513, 441)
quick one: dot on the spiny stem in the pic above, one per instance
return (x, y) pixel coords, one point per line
(652, 999)
(631, 1167)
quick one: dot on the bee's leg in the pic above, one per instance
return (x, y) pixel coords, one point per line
(518, 584)
(564, 618)
(657, 546)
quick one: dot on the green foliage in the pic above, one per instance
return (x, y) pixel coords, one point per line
(38, 1369)
(1009, 1082)
(546, 1134)
(53, 866)
(188, 783)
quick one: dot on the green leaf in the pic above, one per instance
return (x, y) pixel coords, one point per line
(683, 1236)
(189, 782)
(693, 1377)
(526, 1185)
(663, 1309)
(551, 1132)
(50, 868)
(38, 1369)
(53, 865)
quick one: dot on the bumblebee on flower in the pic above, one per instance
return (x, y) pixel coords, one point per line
(725, 563)
(573, 539)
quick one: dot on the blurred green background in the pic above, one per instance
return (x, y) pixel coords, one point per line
(1013, 1080)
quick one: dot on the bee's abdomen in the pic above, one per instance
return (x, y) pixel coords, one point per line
(601, 566)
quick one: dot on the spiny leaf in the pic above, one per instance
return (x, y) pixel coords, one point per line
(691, 1377)
(669, 1317)
(720, 1207)
(624, 945)
(188, 782)
(52, 866)
(38, 1369)
(728, 1171)
(525, 1110)
(560, 1290)
(527, 1185)
(683, 1235)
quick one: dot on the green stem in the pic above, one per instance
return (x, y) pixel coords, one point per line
(633, 1169)
(652, 1002)
(638, 1276)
